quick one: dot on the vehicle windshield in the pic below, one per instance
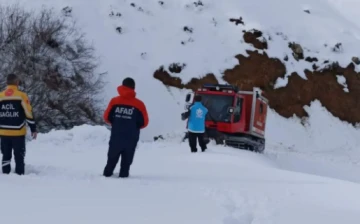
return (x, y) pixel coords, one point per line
(218, 107)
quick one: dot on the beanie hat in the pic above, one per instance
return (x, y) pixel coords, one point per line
(129, 82)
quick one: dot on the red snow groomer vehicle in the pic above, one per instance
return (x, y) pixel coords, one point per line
(236, 118)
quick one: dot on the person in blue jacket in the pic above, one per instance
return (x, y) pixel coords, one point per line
(196, 124)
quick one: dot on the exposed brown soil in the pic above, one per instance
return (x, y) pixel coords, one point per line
(259, 70)
(194, 83)
(252, 38)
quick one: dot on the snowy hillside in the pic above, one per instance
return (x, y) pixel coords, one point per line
(135, 38)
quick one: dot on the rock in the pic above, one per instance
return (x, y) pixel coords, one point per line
(188, 29)
(158, 137)
(237, 21)
(332, 67)
(337, 48)
(356, 60)
(119, 29)
(311, 59)
(118, 14)
(198, 3)
(143, 55)
(298, 51)
(176, 67)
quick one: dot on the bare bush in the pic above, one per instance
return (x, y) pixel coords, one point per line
(56, 65)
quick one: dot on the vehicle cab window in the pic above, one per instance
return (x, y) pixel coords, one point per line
(238, 109)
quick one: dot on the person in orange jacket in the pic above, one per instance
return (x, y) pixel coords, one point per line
(127, 115)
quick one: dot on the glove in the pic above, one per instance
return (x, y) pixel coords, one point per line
(185, 115)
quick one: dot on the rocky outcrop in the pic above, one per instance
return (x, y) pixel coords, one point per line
(259, 70)
(298, 52)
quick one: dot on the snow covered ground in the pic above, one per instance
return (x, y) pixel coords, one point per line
(305, 176)
(168, 185)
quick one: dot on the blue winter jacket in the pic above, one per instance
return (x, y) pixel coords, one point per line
(196, 122)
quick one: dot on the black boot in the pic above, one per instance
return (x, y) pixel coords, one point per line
(107, 173)
(124, 174)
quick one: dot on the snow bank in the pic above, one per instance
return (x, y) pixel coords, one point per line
(324, 146)
(321, 132)
(64, 185)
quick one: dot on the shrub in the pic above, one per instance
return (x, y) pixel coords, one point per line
(56, 65)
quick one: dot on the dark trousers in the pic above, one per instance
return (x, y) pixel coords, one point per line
(127, 157)
(8, 144)
(193, 137)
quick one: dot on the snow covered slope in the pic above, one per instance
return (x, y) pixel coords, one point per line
(199, 34)
(168, 185)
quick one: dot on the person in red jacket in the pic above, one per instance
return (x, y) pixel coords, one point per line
(127, 115)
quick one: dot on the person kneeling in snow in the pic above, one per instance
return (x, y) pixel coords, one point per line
(127, 115)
